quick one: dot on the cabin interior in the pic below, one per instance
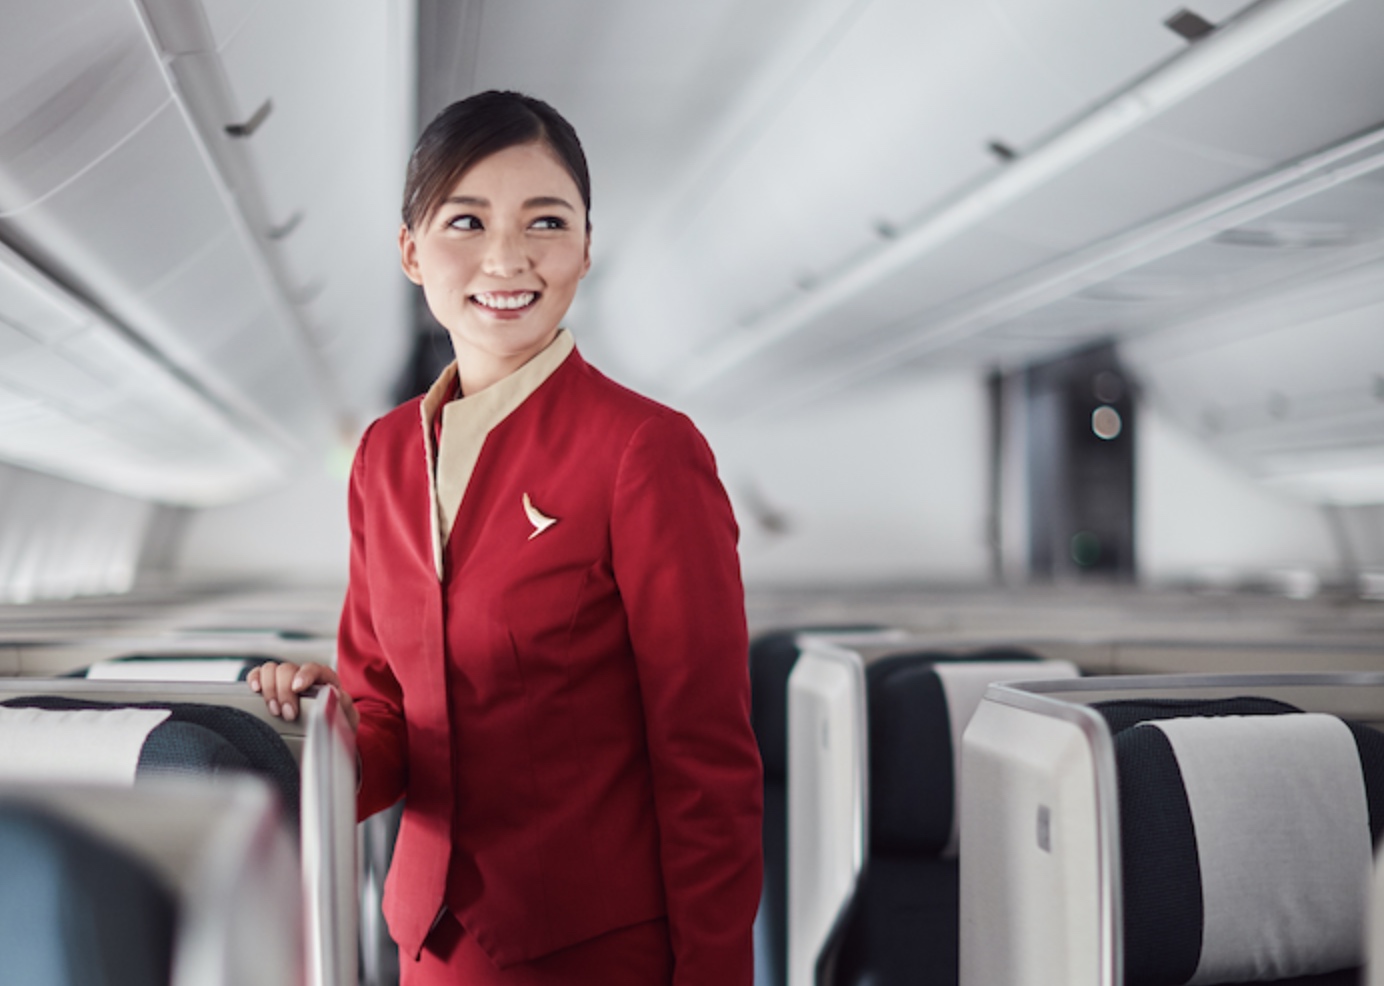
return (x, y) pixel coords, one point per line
(1042, 324)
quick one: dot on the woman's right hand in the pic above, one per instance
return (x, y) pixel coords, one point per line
(281, 684)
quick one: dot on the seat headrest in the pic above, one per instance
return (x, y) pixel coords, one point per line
(193, 737)
(75, 909)
(918, 706)
(1246, 841)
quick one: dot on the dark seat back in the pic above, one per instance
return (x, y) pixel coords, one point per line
(903, 926)
(76, 910)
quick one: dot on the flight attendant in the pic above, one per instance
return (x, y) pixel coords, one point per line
(543, 641)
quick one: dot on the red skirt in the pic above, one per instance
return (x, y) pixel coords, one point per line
(640, 955)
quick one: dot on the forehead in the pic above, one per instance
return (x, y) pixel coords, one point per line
(523, 171)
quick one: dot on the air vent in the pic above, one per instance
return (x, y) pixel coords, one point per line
(1191, 26)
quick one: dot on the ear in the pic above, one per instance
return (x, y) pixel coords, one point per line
(586, 256)
(408, 255)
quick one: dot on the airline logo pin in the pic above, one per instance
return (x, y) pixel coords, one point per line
(541, 522)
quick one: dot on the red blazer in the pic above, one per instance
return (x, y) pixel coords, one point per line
(566, 710)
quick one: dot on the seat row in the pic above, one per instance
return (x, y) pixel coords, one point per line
(197, 839)
(994, 819)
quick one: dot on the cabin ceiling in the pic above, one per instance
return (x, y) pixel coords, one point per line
(792, 198)
(796, 199)
(190, 314)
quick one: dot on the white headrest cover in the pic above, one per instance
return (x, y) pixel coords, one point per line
(1283, 840)
(99, 746)
(964, 684)
(189, 669)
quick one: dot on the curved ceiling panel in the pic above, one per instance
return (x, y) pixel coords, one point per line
(76, 80)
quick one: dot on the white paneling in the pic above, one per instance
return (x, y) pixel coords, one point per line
(60, 539)
(227, 17)
(1319, 86)
(324, 158)
(297, 532)
(76, 80)
(36, 313)
(1201, 518)
(889, 484)
(1089, 45)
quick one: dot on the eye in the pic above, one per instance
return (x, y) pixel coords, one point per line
(466, 221)
(549, 222)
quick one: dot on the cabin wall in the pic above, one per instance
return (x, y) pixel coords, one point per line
(60, 538)
(297, 533)
(1202, 519)
(881, 484)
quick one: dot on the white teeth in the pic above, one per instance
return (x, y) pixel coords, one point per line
(506, 302)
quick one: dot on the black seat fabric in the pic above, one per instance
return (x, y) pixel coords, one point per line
(201, 738)
(1161, 867)
(772, 657)
(904, 922)
(76, 911)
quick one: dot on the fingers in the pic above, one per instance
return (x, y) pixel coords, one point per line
(280, 684)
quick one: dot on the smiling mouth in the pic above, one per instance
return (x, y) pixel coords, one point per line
(505, 301)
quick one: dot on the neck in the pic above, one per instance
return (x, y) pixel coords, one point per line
(477, 370)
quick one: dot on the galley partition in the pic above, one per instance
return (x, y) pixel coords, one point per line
(321, 745)
(1073, 797)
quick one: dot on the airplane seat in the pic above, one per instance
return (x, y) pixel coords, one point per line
(772, 657)
(903, 925)
(1247, 840)
(194, 738)
(309, 763)
(174, 883)
(1154, 830)
(75, 909)
(872, 839)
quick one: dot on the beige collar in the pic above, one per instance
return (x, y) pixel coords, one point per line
(466, 422)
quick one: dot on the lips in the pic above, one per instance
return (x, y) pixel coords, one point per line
(505, 301)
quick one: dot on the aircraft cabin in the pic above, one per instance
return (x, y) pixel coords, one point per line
(1039, 345)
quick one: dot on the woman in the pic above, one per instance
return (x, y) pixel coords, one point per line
(543, 633)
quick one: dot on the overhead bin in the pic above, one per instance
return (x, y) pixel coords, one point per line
(176, 883)
(836, 256)
(1046, 820)
(202, 362)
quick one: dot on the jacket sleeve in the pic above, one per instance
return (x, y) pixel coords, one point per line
(673, 542)
(381, 738)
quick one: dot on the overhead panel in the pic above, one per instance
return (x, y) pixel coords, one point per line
(119, 193)
(330, 158)
(80, 399)
(1080, 195)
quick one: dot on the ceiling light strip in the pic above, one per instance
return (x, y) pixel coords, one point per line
(1253, 32)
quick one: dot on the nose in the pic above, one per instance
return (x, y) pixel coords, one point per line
(505, 255)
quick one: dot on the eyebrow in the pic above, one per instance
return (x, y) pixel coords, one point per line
(537, 202)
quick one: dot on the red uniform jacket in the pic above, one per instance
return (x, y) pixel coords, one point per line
(552, 670)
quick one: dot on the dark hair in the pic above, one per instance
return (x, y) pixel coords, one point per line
(474, 128)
